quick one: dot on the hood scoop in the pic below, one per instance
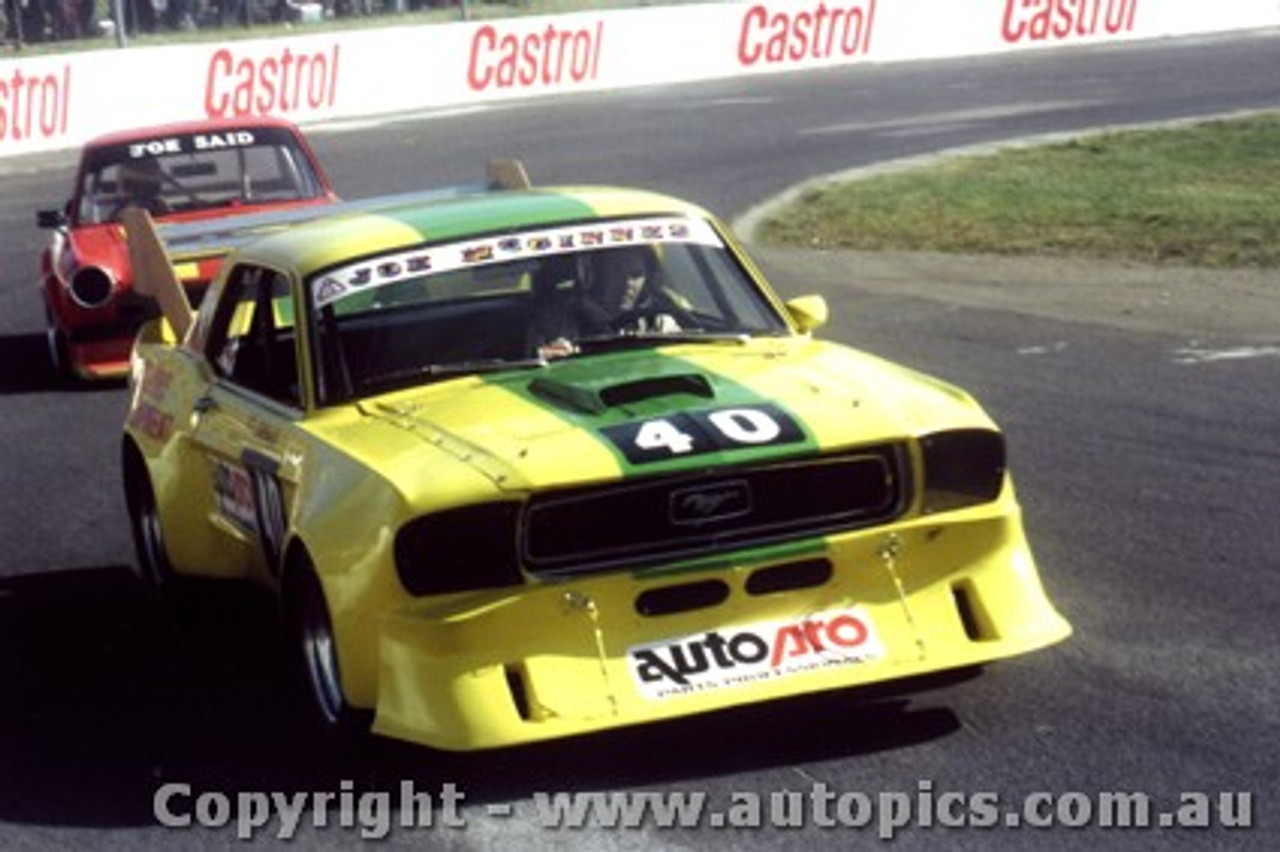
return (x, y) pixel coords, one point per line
(597, 400)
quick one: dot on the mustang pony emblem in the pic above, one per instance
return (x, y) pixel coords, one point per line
(704, 504)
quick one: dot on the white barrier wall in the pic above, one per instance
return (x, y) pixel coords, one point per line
(53, 102)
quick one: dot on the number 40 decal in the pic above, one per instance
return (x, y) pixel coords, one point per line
(743, 426)
(692, 433)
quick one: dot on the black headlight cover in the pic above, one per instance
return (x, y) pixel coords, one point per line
(460, 550)
(962, 467)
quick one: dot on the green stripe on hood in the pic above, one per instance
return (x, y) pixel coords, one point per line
(661, 413)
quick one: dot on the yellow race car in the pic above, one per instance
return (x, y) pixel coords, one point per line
(524, 463)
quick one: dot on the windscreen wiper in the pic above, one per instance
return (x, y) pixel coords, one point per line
(629, 339)
(453, 368)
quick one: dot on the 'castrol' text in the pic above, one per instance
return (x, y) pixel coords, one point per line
(1063, 20)
(549, 56)
(34, 105)
(284, 82)
(794, 35)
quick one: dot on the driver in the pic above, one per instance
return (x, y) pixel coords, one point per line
(619, 286)
(620, 296)
(140, 185)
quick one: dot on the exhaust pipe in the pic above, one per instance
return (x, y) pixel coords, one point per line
(92, 287)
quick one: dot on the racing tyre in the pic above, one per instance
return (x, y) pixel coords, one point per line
(59, 354)
(151, 558)
(315, 658)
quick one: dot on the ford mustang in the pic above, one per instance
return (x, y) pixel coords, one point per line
(525, 463)
(181, 173)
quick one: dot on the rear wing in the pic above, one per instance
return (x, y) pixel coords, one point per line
(507, 174)
(153, 273)
(152, 247)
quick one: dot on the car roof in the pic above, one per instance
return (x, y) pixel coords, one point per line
(209, 125)
(400, 224)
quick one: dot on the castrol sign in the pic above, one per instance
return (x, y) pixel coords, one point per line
(58, 101)
(795, 34)
(34, 101)
(514, 56)
(286, 81)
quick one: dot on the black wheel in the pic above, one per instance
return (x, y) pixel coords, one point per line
(59, 352)
(151, 557)
(315, 655)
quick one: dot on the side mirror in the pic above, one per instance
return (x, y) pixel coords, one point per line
(51, 219)
(808, 312)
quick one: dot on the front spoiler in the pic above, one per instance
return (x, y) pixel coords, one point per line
(101, 360)
(566, 659)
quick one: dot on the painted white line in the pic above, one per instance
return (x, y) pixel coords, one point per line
(1192, 355)
(745, 100)
(347, 125)
(956, 117)
(1050, 349)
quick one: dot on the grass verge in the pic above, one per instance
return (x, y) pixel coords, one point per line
(1205, 195)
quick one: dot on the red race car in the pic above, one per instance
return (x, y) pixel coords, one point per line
(181, 173)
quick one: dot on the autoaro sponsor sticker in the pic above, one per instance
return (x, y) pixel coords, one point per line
(740, 656)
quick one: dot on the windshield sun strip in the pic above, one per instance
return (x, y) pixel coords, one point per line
(342, 282)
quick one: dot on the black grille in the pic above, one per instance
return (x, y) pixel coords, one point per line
(666, 518)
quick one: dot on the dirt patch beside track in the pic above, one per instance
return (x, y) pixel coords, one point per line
(1242, 305)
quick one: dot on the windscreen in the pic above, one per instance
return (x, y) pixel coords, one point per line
(182, 173)
(524, 299)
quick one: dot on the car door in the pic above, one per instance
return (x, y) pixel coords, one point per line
(245, 423)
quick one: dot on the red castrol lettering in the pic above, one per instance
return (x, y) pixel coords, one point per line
(544, 57)
(791, 35)
(284, 82)
(1065, 20)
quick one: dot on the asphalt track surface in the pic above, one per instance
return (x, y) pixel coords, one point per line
(1141, 409)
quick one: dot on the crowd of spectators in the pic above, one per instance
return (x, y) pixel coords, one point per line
(35, 21)
(43, 20)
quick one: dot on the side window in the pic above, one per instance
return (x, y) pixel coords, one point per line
(252, 340)
(100, 194)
